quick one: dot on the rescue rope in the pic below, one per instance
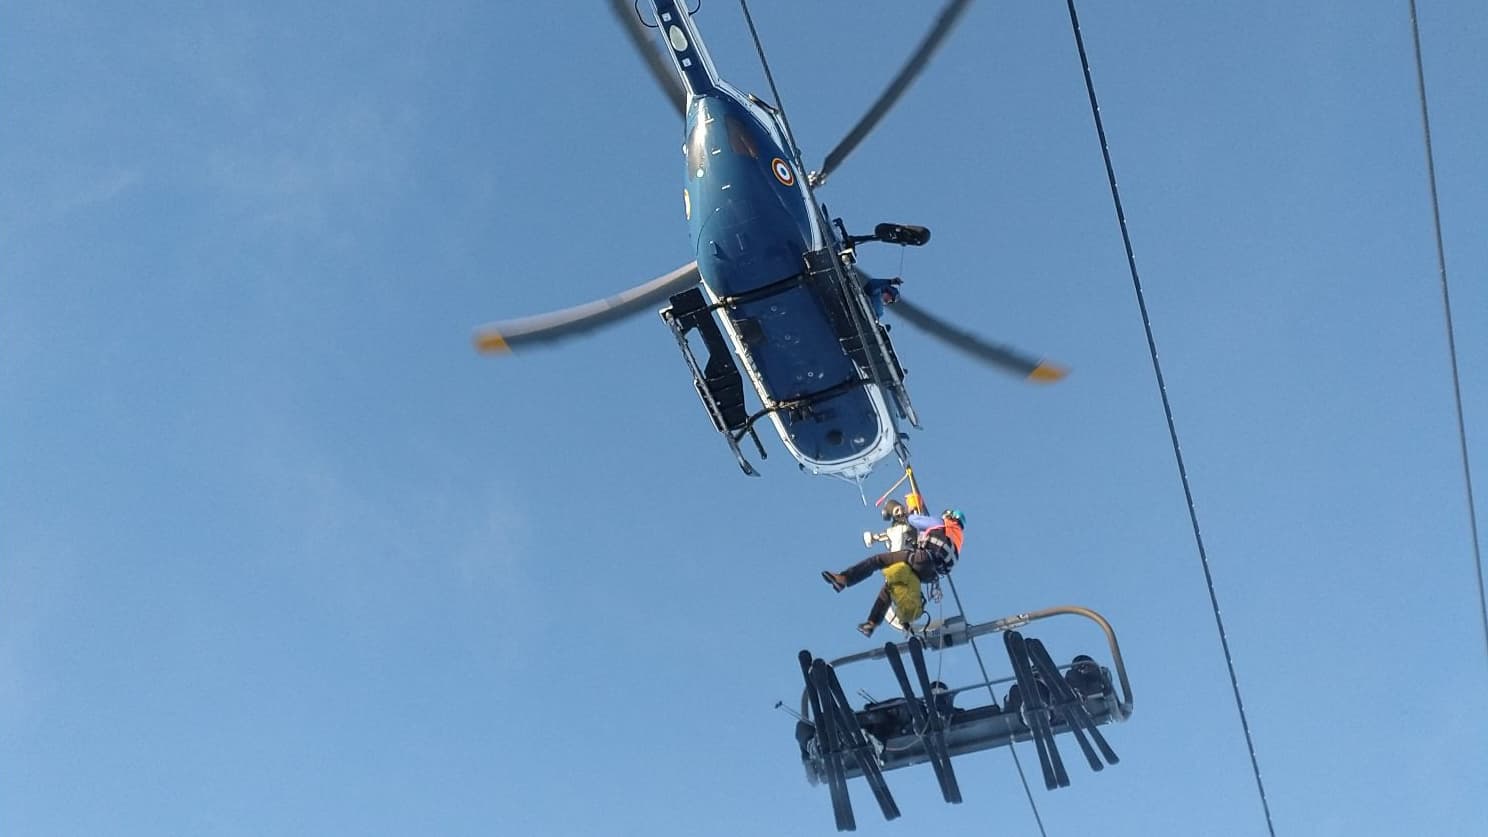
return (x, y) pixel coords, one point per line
(1441, 263)
(1193, 517)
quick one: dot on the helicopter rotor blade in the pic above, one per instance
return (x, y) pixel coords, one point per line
(503, 337)
(644, 42)
(907, 74)
(1033, 369)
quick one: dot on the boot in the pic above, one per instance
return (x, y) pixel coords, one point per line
(866, 629)
(837, 580)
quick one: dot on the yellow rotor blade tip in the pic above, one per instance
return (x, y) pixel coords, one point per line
(1047, 373)
(491, 341)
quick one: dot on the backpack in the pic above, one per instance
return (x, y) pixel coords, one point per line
(904, 592)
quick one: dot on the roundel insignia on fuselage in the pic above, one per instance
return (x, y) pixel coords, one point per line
(783, 172)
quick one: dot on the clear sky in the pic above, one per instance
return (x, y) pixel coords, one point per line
(279, 554)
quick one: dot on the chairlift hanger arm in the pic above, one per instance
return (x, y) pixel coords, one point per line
(957, 632)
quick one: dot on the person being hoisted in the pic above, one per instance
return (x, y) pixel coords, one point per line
(899, 535)
(906, 600)
(934, 554)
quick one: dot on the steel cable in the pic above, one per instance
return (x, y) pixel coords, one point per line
(1162, 388)
(986, 678)
(1441, 263)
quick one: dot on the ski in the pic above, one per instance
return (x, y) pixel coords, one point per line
(921, 722)
(1035, 714)
(828, 745)
(1073, 706)
(1068, 709)
(951, 790)
(846, 720)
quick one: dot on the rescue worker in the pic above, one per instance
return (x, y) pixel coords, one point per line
(934, 555)
(882, 292)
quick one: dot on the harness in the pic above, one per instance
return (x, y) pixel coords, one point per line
(941, 548)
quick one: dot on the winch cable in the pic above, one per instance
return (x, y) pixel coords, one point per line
(1441, 264)
(1162, 388)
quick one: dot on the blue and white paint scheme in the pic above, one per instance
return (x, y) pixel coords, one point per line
(752, 219)
(774, 295)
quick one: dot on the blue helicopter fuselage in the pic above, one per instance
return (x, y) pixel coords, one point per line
(752, 222)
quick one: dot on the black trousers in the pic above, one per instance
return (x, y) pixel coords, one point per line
(918, 560)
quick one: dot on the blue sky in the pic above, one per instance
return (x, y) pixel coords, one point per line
(280, 554)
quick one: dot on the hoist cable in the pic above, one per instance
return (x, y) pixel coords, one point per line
(1441, 264)
(1162, 388)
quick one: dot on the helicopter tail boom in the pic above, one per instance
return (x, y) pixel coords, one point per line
(688, 54)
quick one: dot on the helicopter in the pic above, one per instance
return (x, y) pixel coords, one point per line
(773, 273)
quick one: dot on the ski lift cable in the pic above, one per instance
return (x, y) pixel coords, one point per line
(759, 48)
(1162, 388)
(986, 678)
(1441, 264)
(796, 151)
(919, 499)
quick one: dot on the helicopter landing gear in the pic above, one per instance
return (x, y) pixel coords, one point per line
(718, 383)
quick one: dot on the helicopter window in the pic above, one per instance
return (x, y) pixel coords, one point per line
(697, 151)
(740, 138)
